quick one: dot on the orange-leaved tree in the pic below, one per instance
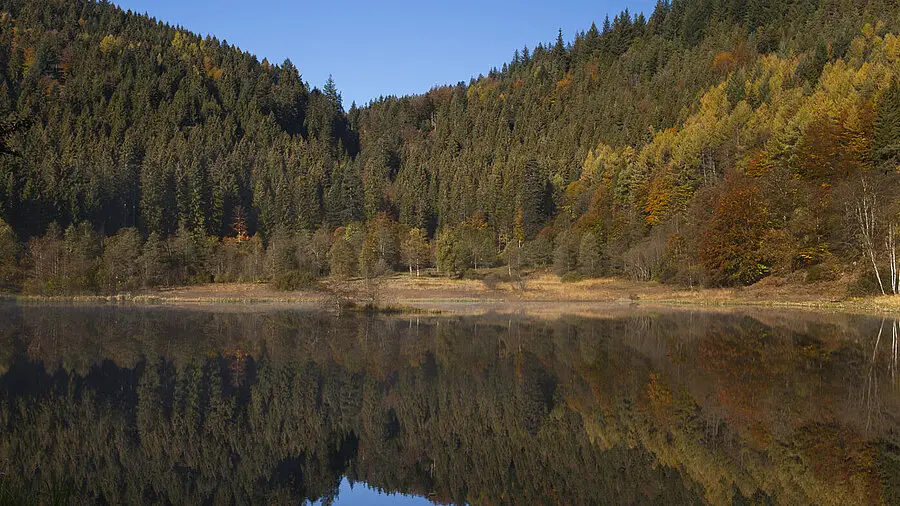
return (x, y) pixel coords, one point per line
(732, 247)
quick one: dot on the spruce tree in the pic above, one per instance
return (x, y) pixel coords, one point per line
(886, 140)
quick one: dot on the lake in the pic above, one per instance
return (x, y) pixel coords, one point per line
(127, 405)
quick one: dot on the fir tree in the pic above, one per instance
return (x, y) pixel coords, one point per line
(886, 140)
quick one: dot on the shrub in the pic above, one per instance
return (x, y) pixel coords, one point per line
(294, 280)
(571, 277)
(828, 270)
(491, 281)
(865, 284)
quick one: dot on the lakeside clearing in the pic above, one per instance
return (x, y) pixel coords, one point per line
(544, 294)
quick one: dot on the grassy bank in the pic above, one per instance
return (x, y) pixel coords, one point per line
(542, 293)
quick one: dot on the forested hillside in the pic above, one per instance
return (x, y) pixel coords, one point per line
(712, 142)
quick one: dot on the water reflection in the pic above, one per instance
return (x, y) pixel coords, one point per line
(360, 494)
(131, 406)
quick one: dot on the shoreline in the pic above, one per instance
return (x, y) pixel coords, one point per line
(545, 294)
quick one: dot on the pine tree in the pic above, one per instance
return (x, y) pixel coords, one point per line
(886, 141)
(534, 197)
(152, 262)
(589, 255)
(695, 21)
(330, 90)
(10, 257)
(9, 128)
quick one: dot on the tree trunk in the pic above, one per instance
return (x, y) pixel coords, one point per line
(892, 253)
(865, 216)
(877, 274)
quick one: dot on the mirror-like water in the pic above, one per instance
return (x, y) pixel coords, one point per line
(125, 405)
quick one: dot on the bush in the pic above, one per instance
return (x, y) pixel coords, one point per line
(826, 271)
(491, 281)
(294, 280)
(571, 277)
(866, 284)
(119, 266)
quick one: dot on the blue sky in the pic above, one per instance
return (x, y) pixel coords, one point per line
(392, 47)
(360, 494)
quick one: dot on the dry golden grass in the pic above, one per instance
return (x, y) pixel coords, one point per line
(545, 294)
(544, 287)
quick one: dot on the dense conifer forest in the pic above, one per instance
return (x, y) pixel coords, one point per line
(710, 142)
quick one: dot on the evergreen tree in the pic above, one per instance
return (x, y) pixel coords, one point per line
(565, 255)
(10, 257)
(886, 140)
(589, 255)
(152, 262)
(330, 90)
(535, 199)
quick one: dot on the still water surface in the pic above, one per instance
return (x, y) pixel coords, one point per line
(129, 406)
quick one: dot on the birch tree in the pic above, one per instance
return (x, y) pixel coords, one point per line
(865, 212)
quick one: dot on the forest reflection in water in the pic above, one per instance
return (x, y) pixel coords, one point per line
(127, 405)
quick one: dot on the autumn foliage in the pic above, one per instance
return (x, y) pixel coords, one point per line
(732, 246)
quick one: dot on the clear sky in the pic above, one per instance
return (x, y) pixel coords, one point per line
(390, 47)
